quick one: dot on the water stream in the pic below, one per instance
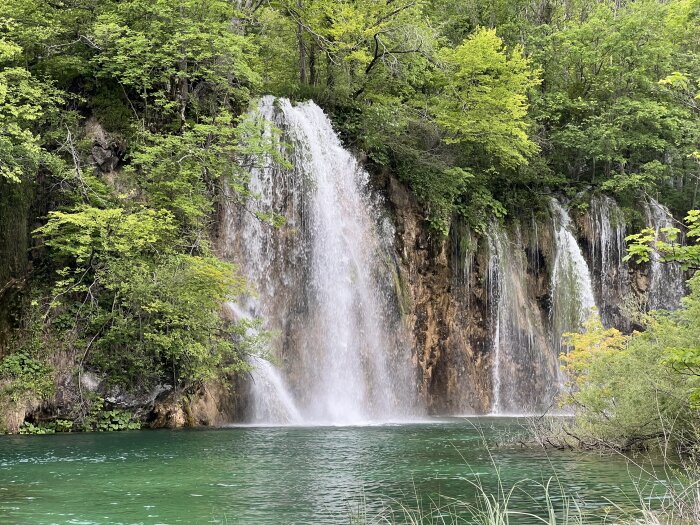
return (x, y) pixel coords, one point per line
(523, 366)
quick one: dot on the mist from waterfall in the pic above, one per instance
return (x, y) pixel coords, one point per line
(325, 281)
(272, 401)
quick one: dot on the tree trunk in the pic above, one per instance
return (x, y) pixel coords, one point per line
(302, 49)
(313, 80)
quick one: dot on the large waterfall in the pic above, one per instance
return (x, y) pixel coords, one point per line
(325, 281)
(327, 285)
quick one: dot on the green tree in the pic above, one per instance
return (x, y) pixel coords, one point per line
(176, 59)
(628, 390)
(482, 97)
(136, 308)
(26, 103)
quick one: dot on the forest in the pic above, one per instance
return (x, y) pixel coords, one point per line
(155, 159)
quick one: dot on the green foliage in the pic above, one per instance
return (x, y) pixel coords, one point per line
(146, 309)
(101, 419)
(53, 427)
(682, 347)
(610, 118)
(28, 428)
(585, 348)
(164, 52)
(625, 393)
(617, 105)
(88, 233)
(25, 104)
(184, 173)
(63, 425)
(483, 97)
(132, 287)
(630, 389)
(343, 49)
(24, 375)
(668, 245)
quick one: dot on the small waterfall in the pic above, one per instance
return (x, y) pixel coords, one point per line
(666, 280)
(608, 248)
(325, 281)
(523, 367)
(571, 285)
(272, 402)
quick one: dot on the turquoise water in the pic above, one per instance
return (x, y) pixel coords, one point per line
(311, 475)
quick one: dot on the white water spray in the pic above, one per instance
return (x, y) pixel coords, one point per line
(523, 367)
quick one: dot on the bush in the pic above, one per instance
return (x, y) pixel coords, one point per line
(102, 420)
(629, 391)
(26, 375)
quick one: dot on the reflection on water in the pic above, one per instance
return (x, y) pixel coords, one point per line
(268, 475)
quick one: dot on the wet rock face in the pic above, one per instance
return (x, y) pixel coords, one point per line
(602, 231)
(487, 313)
(477, 330)
(444, 313)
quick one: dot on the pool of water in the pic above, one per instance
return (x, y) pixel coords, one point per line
(286, 475)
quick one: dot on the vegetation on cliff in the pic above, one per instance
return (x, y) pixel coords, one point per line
(124, 128)
(642, 389)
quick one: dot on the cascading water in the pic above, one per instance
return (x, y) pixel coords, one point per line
(571, 285)
(611, 273)
(666, 288)
(523, 369)
(325, 280)
(326, 287)
(272, 402)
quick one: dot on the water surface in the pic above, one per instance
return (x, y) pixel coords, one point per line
(280, 475)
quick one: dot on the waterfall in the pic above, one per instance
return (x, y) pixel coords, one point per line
(272, 402)
(571, 285)
(325, 281)
(666, 280)
(607, 233)
(523, 367)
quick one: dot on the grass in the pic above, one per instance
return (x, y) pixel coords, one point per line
(485, 509)
(553, 504)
